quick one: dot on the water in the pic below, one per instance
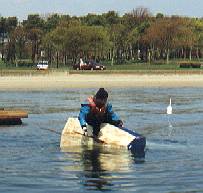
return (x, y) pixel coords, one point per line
(31, 160)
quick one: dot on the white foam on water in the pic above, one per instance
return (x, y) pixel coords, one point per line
(164, 146)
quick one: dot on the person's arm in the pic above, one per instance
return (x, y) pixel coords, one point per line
(114, 118)
(84, 110)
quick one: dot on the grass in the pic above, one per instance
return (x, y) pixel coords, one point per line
(142, 66)
(159, 67)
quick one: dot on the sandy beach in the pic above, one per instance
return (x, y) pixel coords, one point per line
(63, 81)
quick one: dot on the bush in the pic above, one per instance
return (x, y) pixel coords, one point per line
(190, 65)
(185, 65)
(196, 65)
(25, 63)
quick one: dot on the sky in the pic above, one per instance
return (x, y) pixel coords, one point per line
(22, 8)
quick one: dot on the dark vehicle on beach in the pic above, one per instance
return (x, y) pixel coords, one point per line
(91, 65)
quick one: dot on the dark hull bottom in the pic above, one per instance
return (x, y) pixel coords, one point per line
(137, 146)
(12, 121)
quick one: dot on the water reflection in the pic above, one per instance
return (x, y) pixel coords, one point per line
(95, 174)
(99, 165)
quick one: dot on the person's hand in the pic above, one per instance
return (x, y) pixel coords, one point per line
(120, 124)
(84, 128)
(117, 123)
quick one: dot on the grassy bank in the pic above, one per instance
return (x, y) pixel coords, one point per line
(128, 68)
(69, 72)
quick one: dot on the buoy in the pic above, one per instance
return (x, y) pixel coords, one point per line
(169, 108)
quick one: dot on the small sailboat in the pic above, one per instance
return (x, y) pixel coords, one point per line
(169, 108)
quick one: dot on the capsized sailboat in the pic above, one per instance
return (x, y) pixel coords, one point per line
(109, 135)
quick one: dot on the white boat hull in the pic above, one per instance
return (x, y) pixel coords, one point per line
(109, 135)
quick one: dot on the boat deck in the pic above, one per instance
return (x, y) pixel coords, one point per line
(12, 117)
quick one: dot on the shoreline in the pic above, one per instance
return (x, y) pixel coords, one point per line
(62, 80)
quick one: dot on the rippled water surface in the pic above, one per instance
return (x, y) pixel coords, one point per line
(31, 160)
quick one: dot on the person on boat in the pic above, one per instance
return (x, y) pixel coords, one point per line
(95, 111)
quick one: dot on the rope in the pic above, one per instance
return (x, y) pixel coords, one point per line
(47, 129)
(51, 130)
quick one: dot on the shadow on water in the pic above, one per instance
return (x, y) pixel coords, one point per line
(100, 165)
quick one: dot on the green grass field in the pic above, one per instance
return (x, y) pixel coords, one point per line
(128, 68)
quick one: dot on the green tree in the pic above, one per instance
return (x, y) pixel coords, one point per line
(52, 22)
(136, 17)
(111, 18)
(94, 20)
(19, 35)
(197, 25)
(118, 34)
(35, 36)
(34, 26)
(133, 43)
(3, 35)
(167, 34)
(34, 21)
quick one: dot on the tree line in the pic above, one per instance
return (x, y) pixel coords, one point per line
(134, 36)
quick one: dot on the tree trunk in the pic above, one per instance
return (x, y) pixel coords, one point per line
(185, 54)
(50, 56)
(167, 56)
(149, 55)
(131, 52)
(197, 53)
(190, 53)
(138, 51)
(112, 57)
(2, 43)
(182, 53)
(33, 51)
(57, 59)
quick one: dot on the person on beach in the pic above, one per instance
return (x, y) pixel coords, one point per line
(95, 111)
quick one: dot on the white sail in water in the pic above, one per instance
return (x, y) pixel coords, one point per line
(169, 108)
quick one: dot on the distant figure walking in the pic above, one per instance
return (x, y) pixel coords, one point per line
(82, 63)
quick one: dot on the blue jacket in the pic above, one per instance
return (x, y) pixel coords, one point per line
(85, 110)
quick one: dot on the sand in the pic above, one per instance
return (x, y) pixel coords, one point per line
(55, 81)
